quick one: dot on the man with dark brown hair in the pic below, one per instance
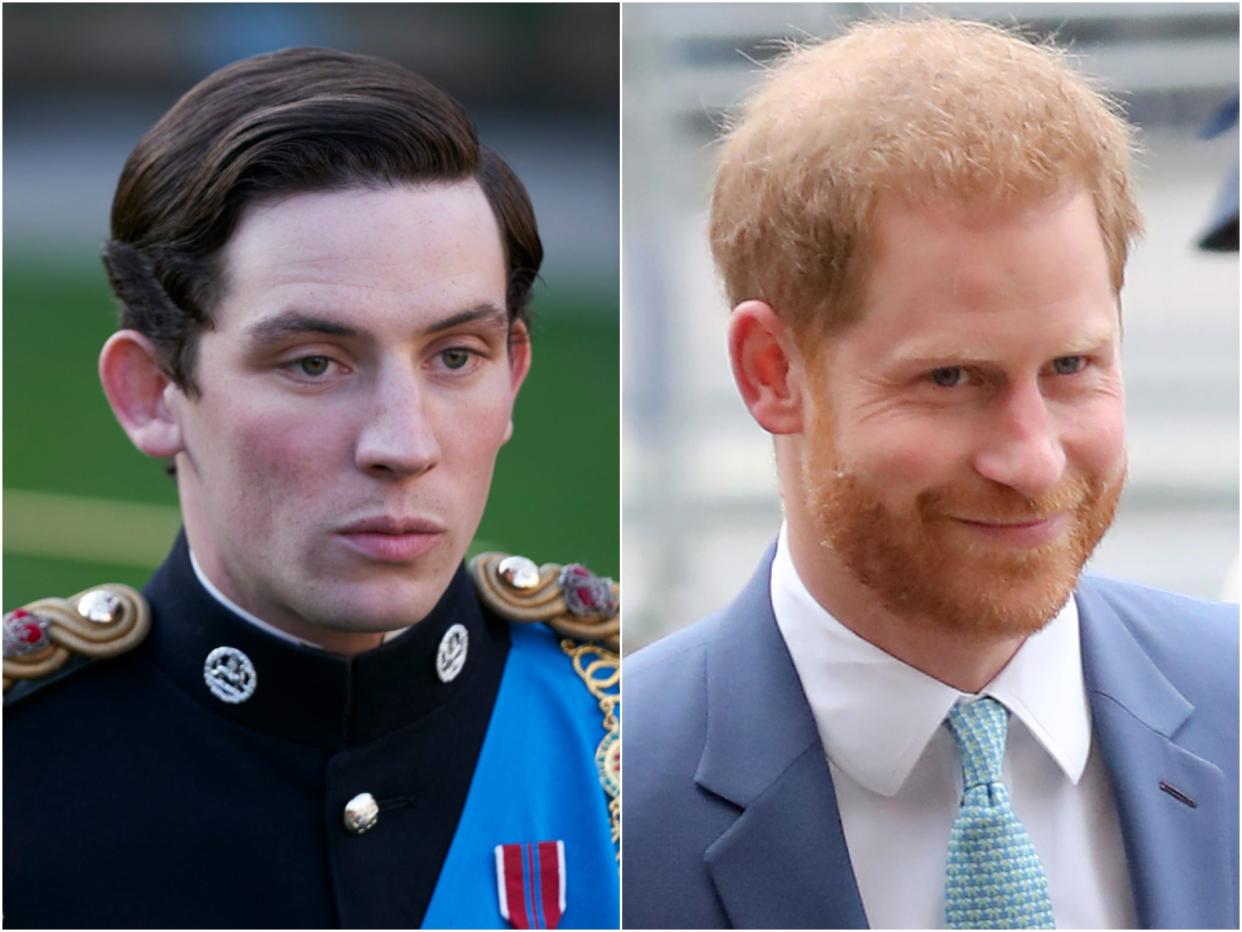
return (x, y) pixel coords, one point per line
(314, 714)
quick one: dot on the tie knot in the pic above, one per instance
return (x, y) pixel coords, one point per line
(979, 728)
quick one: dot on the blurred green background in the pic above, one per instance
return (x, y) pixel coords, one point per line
(81, 505)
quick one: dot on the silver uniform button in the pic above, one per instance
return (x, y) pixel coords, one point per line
(99, 606)
(361, 814)
(452, 654)
(519, 572)
(230, 675)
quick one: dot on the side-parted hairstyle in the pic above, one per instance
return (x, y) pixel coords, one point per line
(924, 110)
(283, 123)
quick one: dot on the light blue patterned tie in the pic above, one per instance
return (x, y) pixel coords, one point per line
(993, 878)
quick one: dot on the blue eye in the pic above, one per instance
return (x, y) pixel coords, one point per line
(948, 376)
(1068, 365)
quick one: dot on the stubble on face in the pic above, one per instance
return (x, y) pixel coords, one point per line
(925, 568)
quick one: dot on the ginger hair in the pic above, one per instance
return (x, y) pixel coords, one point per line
(923, 110)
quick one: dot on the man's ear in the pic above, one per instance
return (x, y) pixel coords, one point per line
(519, 366)
(136, 385)
(766, 367)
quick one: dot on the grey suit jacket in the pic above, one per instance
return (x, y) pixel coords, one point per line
(730, 814)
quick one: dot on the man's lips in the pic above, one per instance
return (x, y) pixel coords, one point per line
(390, 539)
(392, 524)
(1021, 532)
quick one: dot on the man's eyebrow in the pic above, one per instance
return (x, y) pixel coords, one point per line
(488, 314)
(294, 322)
(289, 323)
(966, 353)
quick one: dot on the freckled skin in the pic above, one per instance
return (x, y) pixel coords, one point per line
(294, 438)
(890, 462)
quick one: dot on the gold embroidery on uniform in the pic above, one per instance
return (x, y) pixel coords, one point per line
(117, 619)
(600, 670)
(543, 601)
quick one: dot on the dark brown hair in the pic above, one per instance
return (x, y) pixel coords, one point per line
(282, 123)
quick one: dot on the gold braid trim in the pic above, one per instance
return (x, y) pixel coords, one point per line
(71, 633)
(600, 670)
(542, 602)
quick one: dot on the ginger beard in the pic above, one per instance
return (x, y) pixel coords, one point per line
(925, 567)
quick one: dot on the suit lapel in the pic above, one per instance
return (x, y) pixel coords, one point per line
(1177, 857)
(783, 863)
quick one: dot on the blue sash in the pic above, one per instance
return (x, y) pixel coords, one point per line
(536, 780)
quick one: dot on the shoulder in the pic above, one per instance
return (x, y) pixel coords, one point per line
(666, 690)
(674, 648)
(679, 662)
(668, 682)
(52, 639)
(670, 673)
(79, 714)
(565, 620)
(565, 630)
(1194, 642)
(1146, 601)
(1167, 623)
(670, 820)
(569, 598)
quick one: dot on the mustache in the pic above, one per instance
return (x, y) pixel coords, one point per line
(1002, 504)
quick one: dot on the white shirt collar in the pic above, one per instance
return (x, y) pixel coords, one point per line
(876, 714)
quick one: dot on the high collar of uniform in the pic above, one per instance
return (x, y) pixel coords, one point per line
(305, 694)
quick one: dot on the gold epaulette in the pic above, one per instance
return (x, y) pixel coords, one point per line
(570, 599)
(41, 637)
(586, 609)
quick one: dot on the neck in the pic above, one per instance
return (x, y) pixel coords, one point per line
(959, 659)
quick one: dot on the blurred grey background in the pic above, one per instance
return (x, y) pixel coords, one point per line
(700, 499)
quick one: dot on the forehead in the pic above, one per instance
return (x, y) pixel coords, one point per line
(391, 255)
(946, 276)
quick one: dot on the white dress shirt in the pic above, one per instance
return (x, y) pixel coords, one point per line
(898, 775)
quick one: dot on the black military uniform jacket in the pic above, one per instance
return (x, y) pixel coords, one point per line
(134, 797)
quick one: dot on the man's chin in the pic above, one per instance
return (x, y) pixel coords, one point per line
(965, 588)
(995, 609)
(380, 595)
(373, 606)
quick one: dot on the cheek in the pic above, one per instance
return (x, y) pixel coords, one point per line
(471, 441)
(906, 455)
(276, 461)
(1095, 439)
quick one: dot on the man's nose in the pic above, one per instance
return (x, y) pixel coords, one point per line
(1021, 445)
(397, 437)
